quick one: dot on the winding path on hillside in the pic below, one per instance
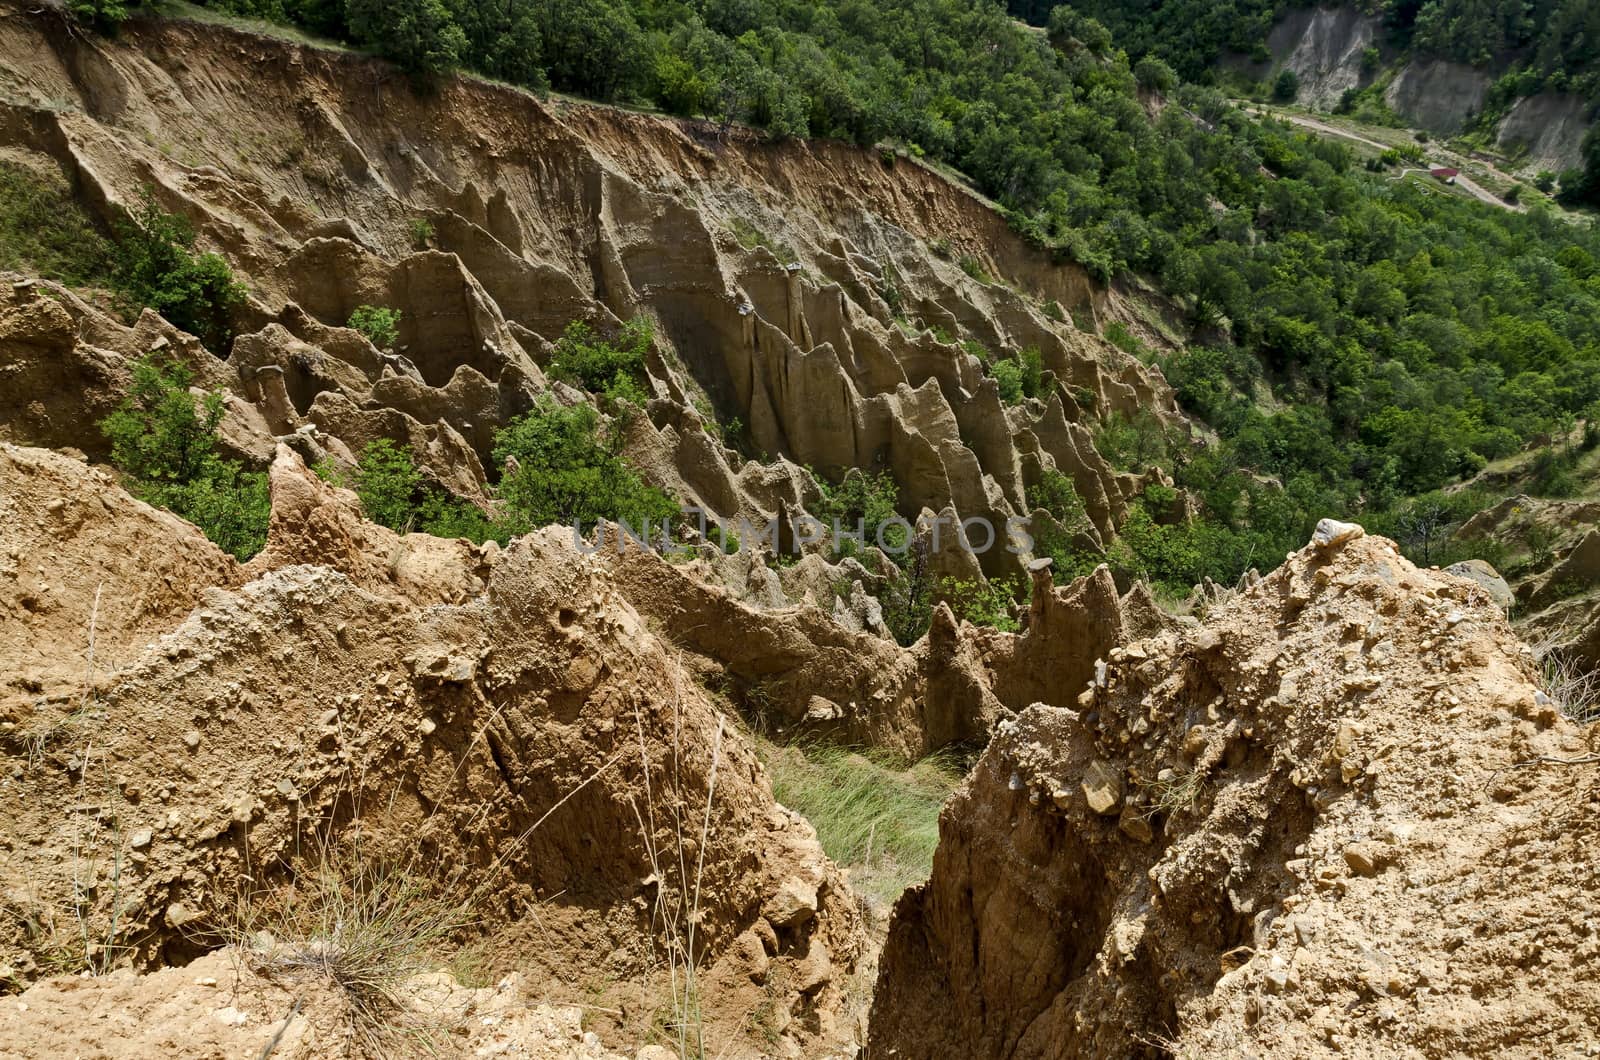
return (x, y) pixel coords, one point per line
(1464, 182)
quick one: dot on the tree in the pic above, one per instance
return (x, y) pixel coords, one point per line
(419, 36)
(1155, 75)
(1581, 187)
(1287, 86)
(163, 440)
(1067, 25)
(154, 265)
(908, 597)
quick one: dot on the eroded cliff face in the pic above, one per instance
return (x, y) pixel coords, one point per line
(1341, 818)
(531, 730)
(812, 291)
(1326, 46)
(182, 736)
(1554, 547)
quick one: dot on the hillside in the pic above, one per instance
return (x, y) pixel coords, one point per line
(1298, 302)
(1517, 81)
(484, 571)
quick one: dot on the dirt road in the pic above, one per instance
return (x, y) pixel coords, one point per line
(1464, 182)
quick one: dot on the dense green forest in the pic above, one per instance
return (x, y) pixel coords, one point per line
(1366, 341)
(1535, 45)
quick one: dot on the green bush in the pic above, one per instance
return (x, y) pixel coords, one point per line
(43, 231)
(983, 603)
(388, 483)
(1155, 75)
(1286, 87)
(1032, 362)
(563, 471)
(164, 442)
(727, 540)
(379, 324)
(230, 505)
(1133, 443)
(101, 14)
(1019, 375)
(870, 500)
(615, 368)
(1008, 378)
(442, 515)
(394, 494)
(155, 266)
(1054, 493)
(974, 268)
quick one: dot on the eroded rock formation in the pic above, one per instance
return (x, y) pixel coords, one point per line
(794, 287)
(1339, 818)
(178, 731)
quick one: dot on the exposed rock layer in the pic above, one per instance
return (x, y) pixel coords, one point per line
(1329, 822)
(795, 286)
(499, 724)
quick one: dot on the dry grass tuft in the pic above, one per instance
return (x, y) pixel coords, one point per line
(1175, 790)
(1574, 691)
(1572, 688)
(357, 926)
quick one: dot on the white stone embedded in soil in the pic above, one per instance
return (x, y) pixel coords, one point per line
(1102, 787)
(1331, 533)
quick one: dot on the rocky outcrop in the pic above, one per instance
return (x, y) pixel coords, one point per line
(1488, 579)
(1324, 46)
(1438, 95)
(1258, 836)
(220, 1006)
(1550, 128)
(134, 573)
(500, 726)
(316, 523)
(793, 286)
(1068, 629)
(791, 667)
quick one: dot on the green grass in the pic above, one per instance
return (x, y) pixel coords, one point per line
(750, 237)
(44, 232)
(180, 10)
(877, 819)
